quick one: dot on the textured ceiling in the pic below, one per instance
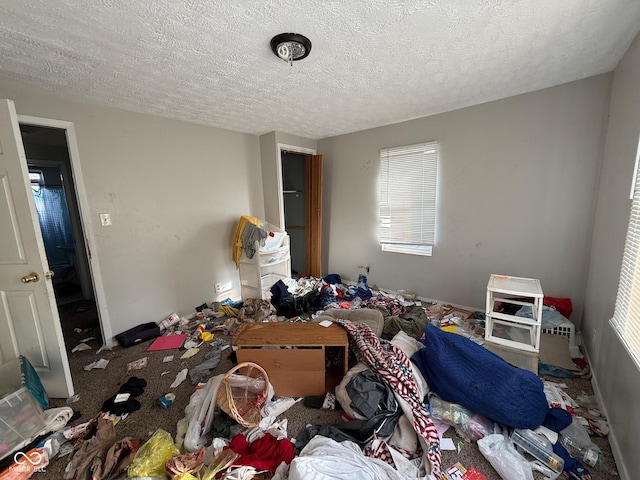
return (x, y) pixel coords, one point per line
(372, 63)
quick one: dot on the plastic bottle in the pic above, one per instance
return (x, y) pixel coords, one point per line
(541, 449)
(591, 457)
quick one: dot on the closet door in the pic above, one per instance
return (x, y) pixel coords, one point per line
(314, 214)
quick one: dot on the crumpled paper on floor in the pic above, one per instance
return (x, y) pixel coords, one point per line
(180, 377)
(102, 363)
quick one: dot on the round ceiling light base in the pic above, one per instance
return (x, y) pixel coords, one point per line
(290, 47)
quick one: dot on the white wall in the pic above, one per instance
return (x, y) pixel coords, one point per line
(271, 165)
(174, 191)
(617, 377)
(516, 195)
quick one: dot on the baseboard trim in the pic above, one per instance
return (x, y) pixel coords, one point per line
(615, 448)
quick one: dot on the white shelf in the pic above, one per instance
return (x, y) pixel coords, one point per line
(518, 286)
(511, 330)
(509, 318)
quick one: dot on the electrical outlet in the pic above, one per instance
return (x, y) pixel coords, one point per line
(105, 219)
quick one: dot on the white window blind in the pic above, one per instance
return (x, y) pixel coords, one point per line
(626, 316)
(408, 198)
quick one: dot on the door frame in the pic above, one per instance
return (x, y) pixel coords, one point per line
(85, 218)
(283, 147)
(313, 203)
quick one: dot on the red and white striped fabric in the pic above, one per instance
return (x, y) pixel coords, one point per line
(379, 449)
(395, 367)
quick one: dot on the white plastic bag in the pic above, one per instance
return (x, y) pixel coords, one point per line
(198, 419)
(579, 434)
(502, 455)
(254, 386)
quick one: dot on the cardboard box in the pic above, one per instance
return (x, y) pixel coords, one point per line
(513, 356)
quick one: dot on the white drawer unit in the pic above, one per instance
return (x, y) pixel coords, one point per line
(503, 328)
(268, 265)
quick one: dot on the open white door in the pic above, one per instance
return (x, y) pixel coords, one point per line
(29, 322)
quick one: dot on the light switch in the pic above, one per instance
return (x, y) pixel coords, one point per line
(105, 219)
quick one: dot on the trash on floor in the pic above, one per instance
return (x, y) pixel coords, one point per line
(137, 364)
(190, 353)
(98, 364)
(167, 400)
(80, 347)
(180, 377)
(406, 363)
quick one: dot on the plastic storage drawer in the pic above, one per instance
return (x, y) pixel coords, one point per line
(21, 419)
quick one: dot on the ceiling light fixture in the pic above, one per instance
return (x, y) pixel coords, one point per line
(290, 47)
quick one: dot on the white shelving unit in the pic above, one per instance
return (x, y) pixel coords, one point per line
(268, 265)
(510, 330)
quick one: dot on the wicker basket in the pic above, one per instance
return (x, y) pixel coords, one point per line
(242, 392)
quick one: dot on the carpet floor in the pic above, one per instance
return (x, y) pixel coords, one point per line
(96, 386)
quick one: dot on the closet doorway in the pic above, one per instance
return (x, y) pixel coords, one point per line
(302, 202)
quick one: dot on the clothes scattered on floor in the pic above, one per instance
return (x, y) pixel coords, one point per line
(201, 372)
(102, 456)
(124, 402)
(390, 393)
(264, 454)
(325, 458)
(255, 310)
(394, 366)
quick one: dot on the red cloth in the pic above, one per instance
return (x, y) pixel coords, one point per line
(581, 363)
(562, 305)
(266, 453)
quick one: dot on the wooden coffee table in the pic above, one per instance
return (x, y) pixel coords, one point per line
(296, 355)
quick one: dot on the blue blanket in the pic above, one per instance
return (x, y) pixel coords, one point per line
(461, 371)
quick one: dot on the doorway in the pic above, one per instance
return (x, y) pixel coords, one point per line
(295, 215)
(52, 186)
(301, 200)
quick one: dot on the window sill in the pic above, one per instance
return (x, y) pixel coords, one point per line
(424, 251)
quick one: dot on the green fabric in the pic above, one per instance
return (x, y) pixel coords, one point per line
(413, 322)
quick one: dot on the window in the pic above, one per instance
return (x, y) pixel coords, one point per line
(408, 198)
(37, 179)
(626, 316)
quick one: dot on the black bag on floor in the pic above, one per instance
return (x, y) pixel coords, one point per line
(144, 331)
